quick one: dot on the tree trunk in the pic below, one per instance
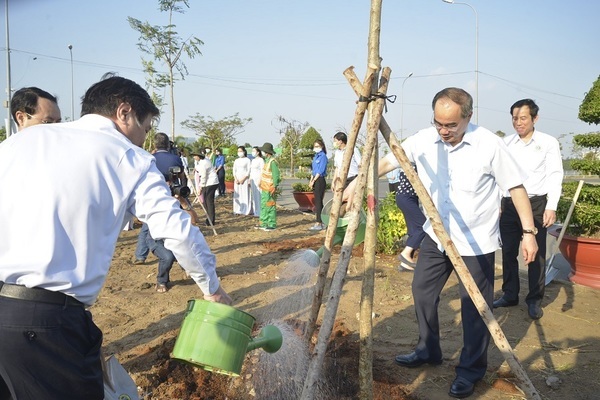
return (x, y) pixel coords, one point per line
(171, 83)
(365, 362)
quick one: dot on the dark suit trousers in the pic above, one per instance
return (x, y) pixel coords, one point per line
(208, 193)
(511, 232)
(431, 274)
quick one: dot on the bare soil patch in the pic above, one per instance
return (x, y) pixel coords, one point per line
(140, 325)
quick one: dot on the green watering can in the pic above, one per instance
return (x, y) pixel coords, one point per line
(216, 337)
(342, 225)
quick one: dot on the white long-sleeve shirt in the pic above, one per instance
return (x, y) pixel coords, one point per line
(207, 173)
(541, 160)
(241, 168)
(465, 183)
(90, 180)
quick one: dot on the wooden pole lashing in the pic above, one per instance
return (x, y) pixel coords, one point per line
(339, 275)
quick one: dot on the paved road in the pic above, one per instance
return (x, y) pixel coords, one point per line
(287, 199)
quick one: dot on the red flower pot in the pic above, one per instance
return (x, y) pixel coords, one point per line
(229, 186)
(305, 200)
(583, 255)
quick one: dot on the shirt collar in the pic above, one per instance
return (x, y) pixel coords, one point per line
(517, 138)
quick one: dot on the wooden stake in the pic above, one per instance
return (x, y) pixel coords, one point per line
(359, 114)
(459, 266)
(365, 359)
(316, 362)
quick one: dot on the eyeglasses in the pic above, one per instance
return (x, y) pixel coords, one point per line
(45, 120)
(450, 128)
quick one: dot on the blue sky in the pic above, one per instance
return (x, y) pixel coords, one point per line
(268, 58)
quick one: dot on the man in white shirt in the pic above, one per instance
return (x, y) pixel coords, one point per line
(340, 141)
(95, 177)
(209, 183)
(539, 155)
(32, 106)
(463, 167)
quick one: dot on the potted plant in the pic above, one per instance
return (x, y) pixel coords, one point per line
(230, 156)
(229, 184)
(304, 196)
(580, 244)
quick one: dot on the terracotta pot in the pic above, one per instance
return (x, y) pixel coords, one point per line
(229, 186)
(583, 255)
(305, 200)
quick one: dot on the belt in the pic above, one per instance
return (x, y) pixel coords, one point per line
(532, 198)
(37, 294)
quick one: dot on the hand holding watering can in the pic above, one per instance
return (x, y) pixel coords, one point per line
(220, 296)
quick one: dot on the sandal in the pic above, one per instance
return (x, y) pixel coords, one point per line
(161, 288)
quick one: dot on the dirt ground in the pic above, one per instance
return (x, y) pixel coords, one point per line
(560, 352)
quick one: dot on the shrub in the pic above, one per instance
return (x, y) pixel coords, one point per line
(585, 220)
(303, 175)
(391, 226)
(301, 187)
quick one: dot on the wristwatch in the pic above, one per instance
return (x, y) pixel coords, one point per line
(533, 231)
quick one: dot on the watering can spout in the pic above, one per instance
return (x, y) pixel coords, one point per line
(269, 338)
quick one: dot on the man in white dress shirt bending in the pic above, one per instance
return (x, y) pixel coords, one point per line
(55, 253)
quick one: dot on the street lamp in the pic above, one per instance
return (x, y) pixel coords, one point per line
(72, 95)
(402, 105)
(476, 56)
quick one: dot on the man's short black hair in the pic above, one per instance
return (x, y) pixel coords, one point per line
(104, 97)
(341, 136)
(533, 108)
(26, 100)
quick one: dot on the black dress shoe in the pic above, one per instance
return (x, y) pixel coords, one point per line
(502, 302)
(535, 311)
(412, 360)
(461, 388)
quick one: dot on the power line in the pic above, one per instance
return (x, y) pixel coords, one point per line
(291, 82)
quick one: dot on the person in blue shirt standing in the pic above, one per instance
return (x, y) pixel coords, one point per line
(220, 168)
(317, 181)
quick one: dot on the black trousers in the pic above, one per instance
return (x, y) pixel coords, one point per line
(319, 191)
(511, 232)
(221, 176)
(208, 193)
(48, 351)
(431, 274)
